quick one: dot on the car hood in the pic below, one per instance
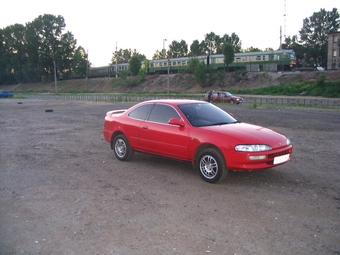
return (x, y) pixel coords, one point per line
(249, 134)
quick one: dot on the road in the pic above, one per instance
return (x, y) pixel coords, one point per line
(62, 191)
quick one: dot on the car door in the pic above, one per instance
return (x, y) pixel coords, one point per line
(133, 127)
(163, 138)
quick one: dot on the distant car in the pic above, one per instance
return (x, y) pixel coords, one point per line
(195, 131)
(4, 93)
(223, 96)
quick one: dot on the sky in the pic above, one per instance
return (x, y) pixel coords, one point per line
(99, 26)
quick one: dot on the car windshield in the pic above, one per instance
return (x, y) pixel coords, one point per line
(205, 114)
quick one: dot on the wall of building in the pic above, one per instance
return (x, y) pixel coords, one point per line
(333, 58)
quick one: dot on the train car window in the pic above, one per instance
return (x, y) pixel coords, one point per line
(258, 57)
(284, 55)
(238, 59)
(219, 60)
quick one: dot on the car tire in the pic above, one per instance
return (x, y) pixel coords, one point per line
(231, 102)
(211, 165)
(121, 148)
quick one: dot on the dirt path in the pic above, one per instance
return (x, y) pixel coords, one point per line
(63, 192)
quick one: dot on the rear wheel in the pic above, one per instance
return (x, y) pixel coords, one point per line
(121, 148)
(211, 165)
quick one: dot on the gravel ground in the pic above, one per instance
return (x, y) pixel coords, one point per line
(62, 191)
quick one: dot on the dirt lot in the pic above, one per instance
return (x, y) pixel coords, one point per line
(62, 191)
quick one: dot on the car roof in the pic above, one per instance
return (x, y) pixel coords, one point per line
(174, 101)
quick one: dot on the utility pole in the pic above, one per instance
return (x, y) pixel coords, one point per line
(87, 64)
(55, 77)
(168, 82)
(164, 40)
(116, 62)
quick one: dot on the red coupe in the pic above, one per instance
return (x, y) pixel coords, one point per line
(196, 131)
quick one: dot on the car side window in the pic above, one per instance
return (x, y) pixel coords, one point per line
(163, 113)
(141, 112)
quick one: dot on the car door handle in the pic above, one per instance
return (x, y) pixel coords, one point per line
(144, 127)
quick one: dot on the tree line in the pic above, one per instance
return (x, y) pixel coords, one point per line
(34, 52)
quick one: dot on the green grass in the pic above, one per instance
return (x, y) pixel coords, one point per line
(323, 88)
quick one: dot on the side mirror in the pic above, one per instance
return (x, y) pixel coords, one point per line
(176, 122)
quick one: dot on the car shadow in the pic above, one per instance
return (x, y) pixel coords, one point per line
(278, 176)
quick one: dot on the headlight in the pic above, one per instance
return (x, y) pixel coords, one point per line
(288, 142)
(252, 147)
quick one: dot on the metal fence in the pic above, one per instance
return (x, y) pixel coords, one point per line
(258, 100)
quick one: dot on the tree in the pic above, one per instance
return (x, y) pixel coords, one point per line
(211, 43)
(65, 53)
(200, 73)
(192, 64)
(178, 49)
(300, 51)
(229, 54)
(80, 62)
(124, 56)
(314, 34)
(158, 55)
(195, 49)
(14, 52)
(251, 49)
(234, 40)
(134, 65)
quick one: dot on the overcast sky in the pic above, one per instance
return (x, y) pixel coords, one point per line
(143, 24)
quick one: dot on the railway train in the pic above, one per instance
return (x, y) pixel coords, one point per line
(279, 60)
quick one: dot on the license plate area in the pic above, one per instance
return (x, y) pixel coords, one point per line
(281, 159)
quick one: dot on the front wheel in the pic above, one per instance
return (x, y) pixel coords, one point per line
(121, 148)
(211, 166)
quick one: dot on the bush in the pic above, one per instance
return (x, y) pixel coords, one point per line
(321, 80)
(200, 74)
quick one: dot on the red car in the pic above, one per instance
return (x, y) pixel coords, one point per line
(196, 131)
(222, 96)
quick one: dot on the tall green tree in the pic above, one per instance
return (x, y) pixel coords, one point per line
(229, 54)
(158, 55)
(234, 40)
(200, 73)
(134, 65)
(14, 52)
(314, 34)
(211, 43)
(195, 49)
(178, 49)
(299, 49)
(124, 56)
(80, 62)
